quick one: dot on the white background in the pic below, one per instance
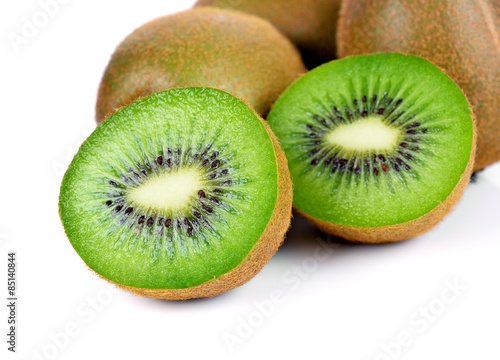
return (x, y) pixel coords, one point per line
(347, 304)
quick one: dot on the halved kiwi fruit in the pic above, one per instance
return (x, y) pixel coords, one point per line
(235, 52)
(183, 194)
(380, 147)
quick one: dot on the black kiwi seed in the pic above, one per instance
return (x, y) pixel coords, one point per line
(206, 208)
(320, 119)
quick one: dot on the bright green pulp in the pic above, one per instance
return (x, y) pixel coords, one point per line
(121, 249)
(374, 196)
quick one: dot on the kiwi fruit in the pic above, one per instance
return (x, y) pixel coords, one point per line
(460, 36)
(310, 24)
(182, 194)
(235, 52)
(380, 147)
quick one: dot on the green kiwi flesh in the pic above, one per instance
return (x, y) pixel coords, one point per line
(375, 140)
(171, 191)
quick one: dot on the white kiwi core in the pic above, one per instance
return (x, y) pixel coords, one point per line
(170, 191)
(367, 134)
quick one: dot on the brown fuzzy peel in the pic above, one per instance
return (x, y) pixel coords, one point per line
(310, 24)
(231, 51)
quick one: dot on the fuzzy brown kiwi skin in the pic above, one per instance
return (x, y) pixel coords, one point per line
(462, 37)
(310, 24)
(269, 242)
(231, 51)
(407, 230)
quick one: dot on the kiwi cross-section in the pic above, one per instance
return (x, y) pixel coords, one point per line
(182, 194)
(380, 147)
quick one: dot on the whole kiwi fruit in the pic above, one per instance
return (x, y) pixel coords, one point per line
(236, 52)
(383, 154)
(310, 24)
(460, 36)
(183, 194)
